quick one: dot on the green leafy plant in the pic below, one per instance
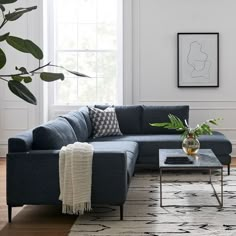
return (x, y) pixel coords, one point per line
(177, 124)
(16, 81)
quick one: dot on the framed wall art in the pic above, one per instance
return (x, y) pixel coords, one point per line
(198, 59)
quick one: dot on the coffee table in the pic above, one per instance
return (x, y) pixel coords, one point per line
(204, 160)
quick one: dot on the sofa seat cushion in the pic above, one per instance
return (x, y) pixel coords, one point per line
(53, 135)
(129, 148)
(217, 142)
(150, 144)
(224, 159)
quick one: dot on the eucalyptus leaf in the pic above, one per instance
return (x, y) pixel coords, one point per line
(21, 91)
(23, 70)
(26, 46)
(17, 43)
(33, 49)
(4, 37)
(17, 78)
(27, 9)
(2, 8)
(27, 79)
(48, 76)
(77, 73)
(12, 16)
(7, 1)
(3, 59)
(73, 72)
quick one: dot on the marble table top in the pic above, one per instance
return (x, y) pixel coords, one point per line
(205, 158)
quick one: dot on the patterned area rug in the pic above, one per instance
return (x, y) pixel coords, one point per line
(143, 215)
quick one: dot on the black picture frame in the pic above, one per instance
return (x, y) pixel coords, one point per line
(198, 59)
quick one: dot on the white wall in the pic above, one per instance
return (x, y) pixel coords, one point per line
(15, 114)
(155, 27)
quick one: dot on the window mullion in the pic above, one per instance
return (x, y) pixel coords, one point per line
(96, 51)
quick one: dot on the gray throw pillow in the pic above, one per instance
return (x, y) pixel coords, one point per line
(104, 122)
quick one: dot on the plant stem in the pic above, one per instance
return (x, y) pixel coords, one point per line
(31, 72)
(40, 67)
(57, 66)
(3, 23)
(3, 79)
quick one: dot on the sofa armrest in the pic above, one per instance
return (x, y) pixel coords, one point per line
(110, 178)
(33, 178)
(21, 142)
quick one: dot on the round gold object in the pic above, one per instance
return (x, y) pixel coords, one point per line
(191, 145)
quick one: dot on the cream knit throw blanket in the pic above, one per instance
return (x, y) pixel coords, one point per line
(75, 176)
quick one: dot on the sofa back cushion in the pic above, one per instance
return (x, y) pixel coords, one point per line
(53, 135)
(85, 112)
(78, 123)
(156, 114)
(129, 118)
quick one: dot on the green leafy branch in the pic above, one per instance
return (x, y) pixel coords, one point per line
(205, 128)
(177, 124)
(15, 80)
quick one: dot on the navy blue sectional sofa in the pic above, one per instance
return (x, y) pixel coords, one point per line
(32, 159)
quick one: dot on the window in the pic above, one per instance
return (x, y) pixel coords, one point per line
(86, 37)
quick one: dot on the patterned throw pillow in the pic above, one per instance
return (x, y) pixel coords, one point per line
(104, 122)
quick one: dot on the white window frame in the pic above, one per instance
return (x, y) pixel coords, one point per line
(54, 109)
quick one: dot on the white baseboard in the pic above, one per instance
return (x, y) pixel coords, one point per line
(3, 150)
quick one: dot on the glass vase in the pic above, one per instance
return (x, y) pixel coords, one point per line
(191, 145)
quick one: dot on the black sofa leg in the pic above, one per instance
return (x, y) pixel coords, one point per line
(121, 212)
(9, 213)
(228, 169)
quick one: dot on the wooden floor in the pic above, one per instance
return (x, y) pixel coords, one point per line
(31, 220)
(34, 220)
